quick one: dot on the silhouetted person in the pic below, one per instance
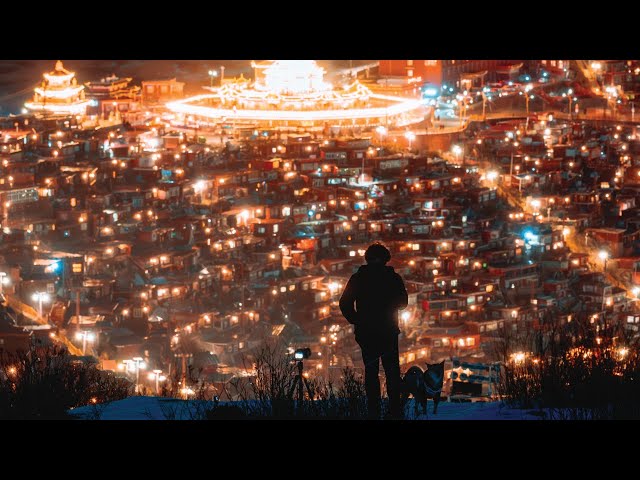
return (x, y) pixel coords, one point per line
(378, 293)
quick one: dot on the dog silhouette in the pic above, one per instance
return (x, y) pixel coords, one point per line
(422, 385)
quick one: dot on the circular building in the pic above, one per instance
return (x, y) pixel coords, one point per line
(294, 93)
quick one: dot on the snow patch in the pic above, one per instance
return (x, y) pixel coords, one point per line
(159, 408)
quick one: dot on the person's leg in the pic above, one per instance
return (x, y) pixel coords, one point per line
(391, 364)
(371, 359)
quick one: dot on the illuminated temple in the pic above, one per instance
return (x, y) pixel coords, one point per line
(294, 93)
(59, 94)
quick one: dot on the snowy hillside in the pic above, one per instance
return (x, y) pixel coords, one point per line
(158, 408)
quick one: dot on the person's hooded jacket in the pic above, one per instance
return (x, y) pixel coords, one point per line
(377, 292)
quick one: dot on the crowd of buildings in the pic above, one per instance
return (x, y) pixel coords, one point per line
(181, 251)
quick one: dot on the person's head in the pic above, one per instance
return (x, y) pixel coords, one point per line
(377, 254)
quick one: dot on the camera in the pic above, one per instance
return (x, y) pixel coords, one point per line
(302, 353)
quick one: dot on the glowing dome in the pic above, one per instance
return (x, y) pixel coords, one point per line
(293, 93)
(293, 77)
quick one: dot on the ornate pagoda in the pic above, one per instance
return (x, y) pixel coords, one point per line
(59, 94)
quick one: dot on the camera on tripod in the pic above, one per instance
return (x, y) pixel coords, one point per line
(302, 353)
(300, 381)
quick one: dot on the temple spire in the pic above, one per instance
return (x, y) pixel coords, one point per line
(59, 94)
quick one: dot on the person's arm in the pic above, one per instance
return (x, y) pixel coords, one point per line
(347, 300)
(402, 298)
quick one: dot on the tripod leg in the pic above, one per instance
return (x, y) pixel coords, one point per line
(292, 389)
(300, 392)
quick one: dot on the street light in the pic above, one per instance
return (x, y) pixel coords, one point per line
(518, 357)
(492, 175)
(158, 377)
(186, 391)
(604, 256)
(3, 281)
(411, 137)
(623, 352)
(535, 203)
(462, 106)
(139, 364)
(612, 98)
(135, 364)
(527, 96)
(212, 74)
(40, 297)
(569, 94)
(457, 151)
(85, 337)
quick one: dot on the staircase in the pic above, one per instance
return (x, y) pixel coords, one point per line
(29, 312)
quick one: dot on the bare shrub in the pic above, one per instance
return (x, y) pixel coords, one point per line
(44, 383)
(582, 371)
(273, 391)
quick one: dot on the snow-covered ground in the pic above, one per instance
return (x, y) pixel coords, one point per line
(142, 408)
(158, 408)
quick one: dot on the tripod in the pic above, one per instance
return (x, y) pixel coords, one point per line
(300, 381)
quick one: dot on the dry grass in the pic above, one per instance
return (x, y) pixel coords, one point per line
(586, 371)
(273, 394)
(44, 383)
